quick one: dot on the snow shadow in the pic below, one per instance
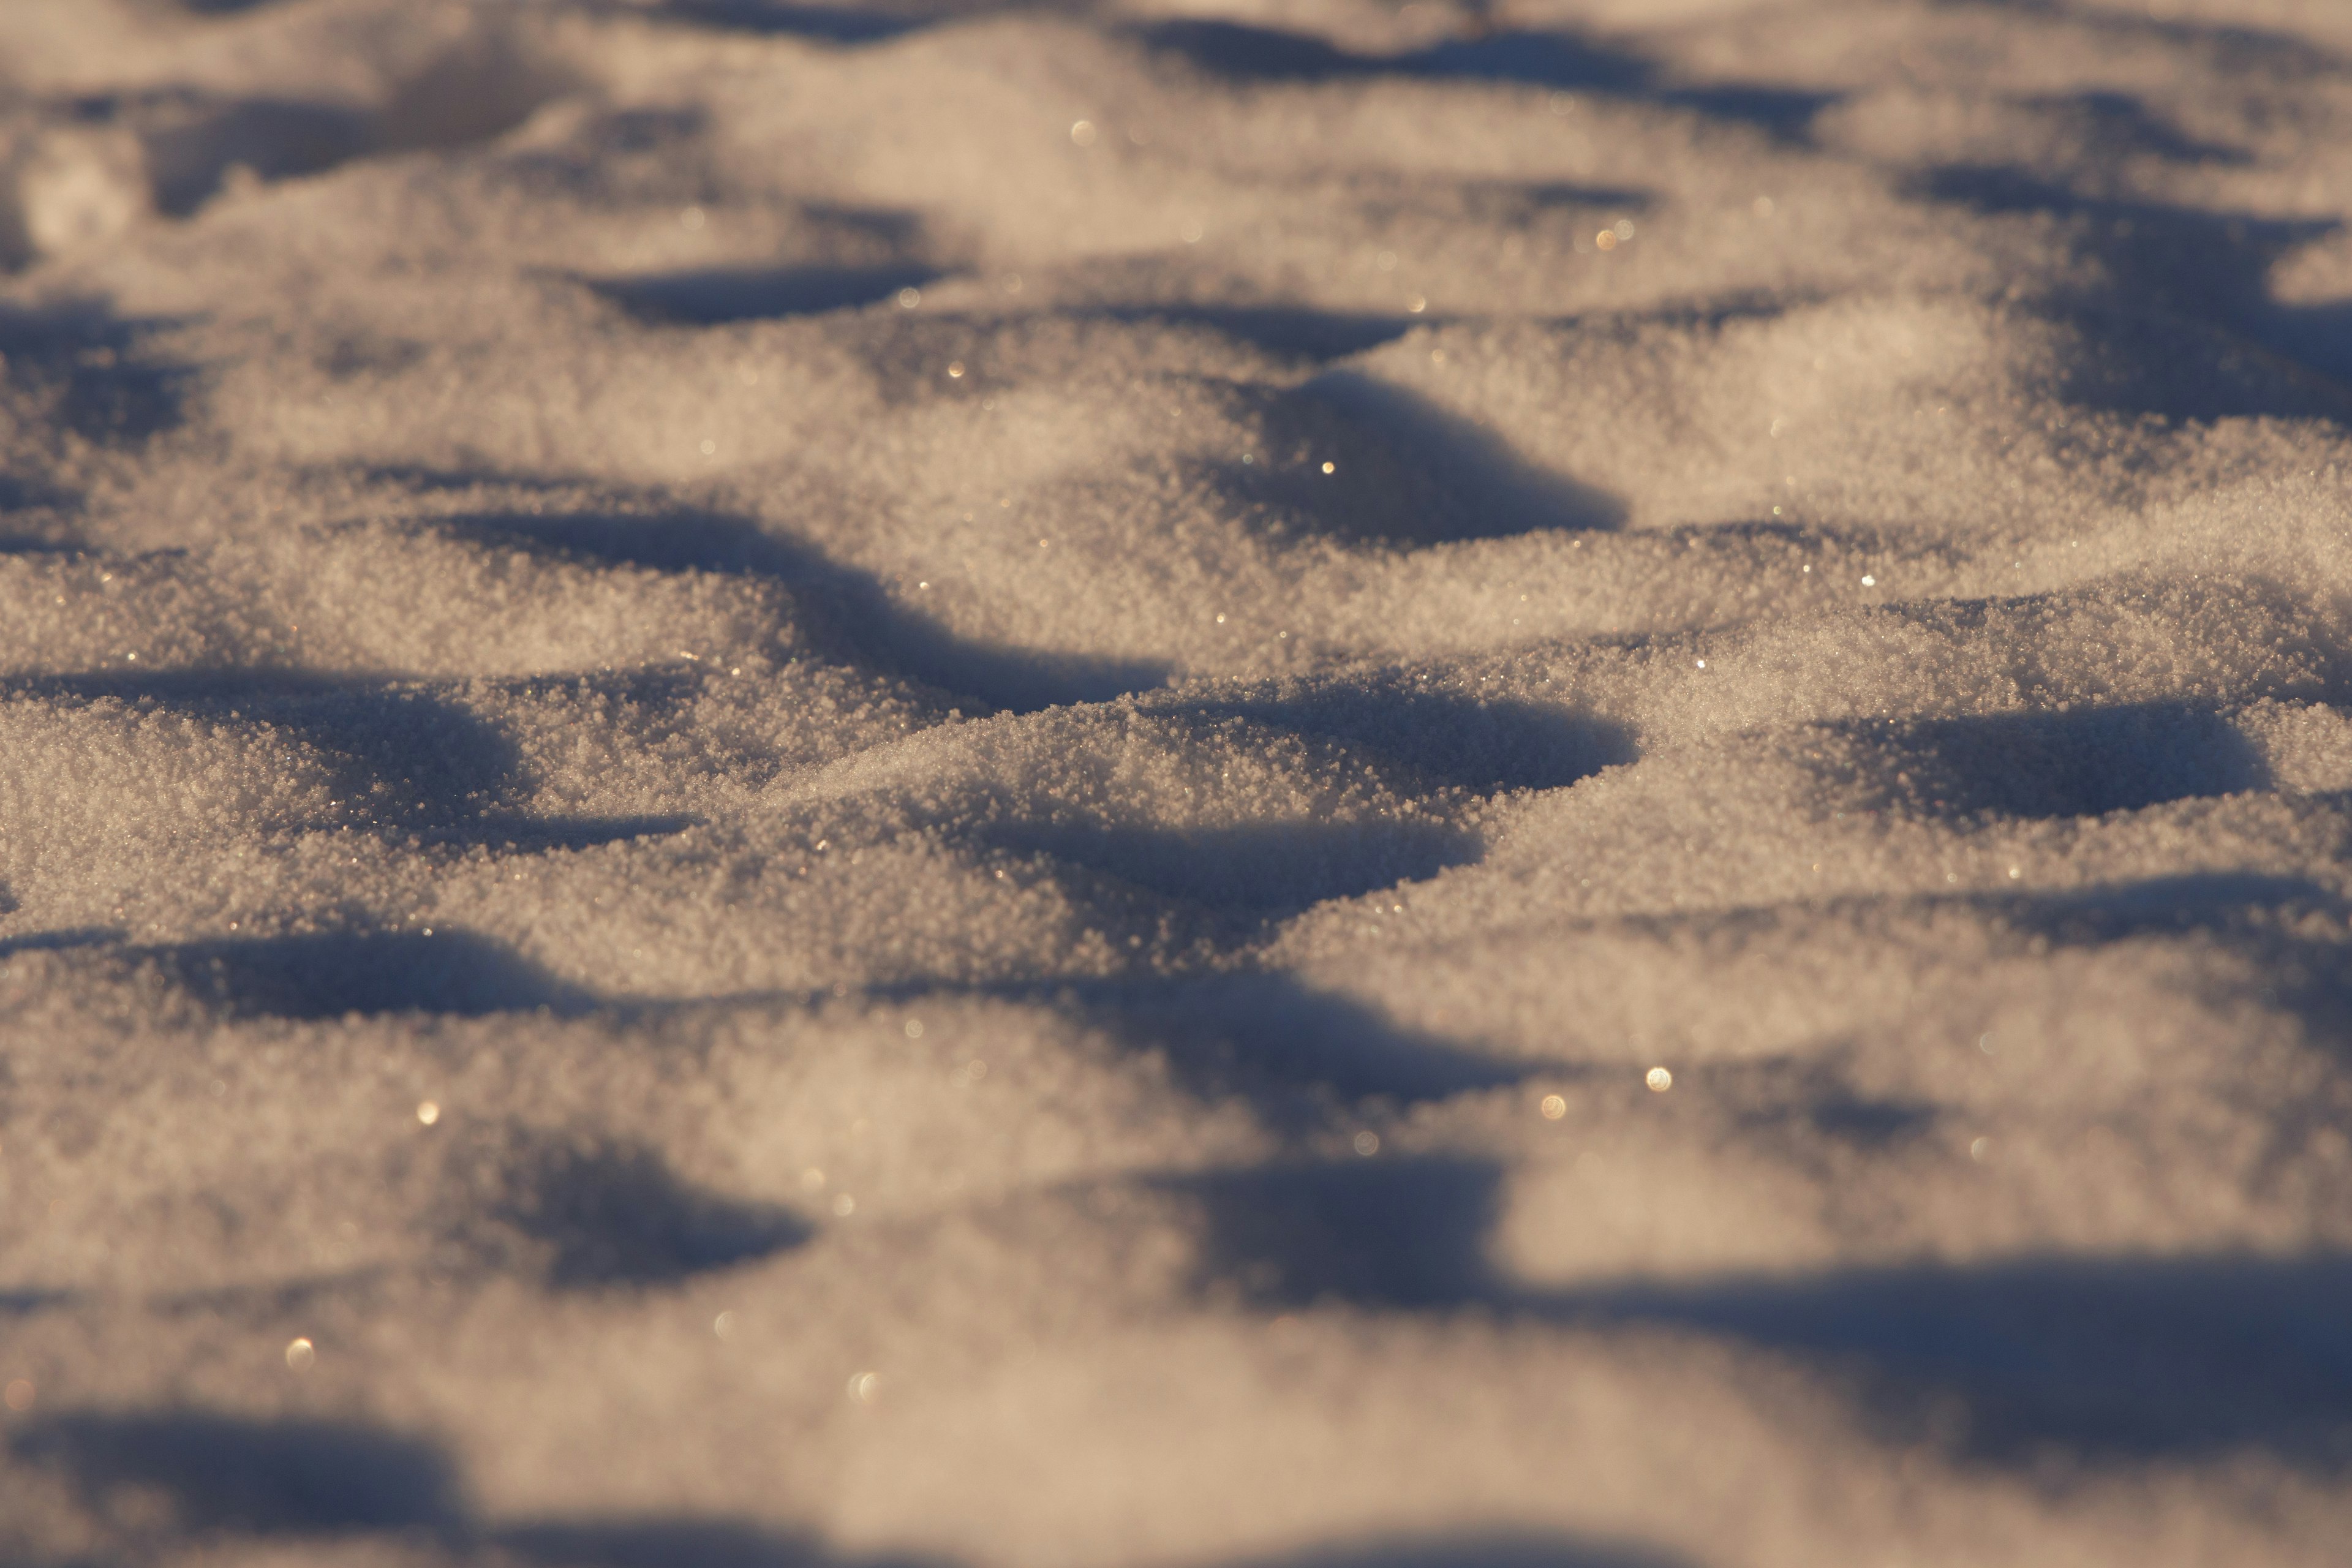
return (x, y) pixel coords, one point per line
(2293, 933)
(1850, 1119)
(1408, 471)
(1396, 1235)
(1521, 203)
(1425, 739)
(1254, 868)
(19, 493)
(824, 24)
(87, 370)
(849, 24)
(682, 1541)
(478, 89)
(405, 759)
(37, 517)
(2090, 1360)
(714, 297)
(690, 1543)
(587, 1215)
(26, 1303)
(2008, 1362)
(2216, 902)
(401, 753)
(1474, 1549)
(64, 940)
(2281, 57)
(1243, 52)
(1292, 1051)
(1419, 742)
(1294, 330)
(515, 833)
(2176, 261)
(192, 142)
(2318, 335)
(2083, 763)
(2109, 126)
(224, 1473)
(852, 615)
(233, 1479)
(329, 974)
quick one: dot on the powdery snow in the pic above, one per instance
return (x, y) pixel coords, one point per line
(1523, 784)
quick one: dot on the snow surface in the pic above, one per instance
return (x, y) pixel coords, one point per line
(1318, 785)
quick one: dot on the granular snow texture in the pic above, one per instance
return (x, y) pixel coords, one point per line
(1502, 783)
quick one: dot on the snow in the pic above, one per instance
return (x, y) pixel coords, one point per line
(1499, 785)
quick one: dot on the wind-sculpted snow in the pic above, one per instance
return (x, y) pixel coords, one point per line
(1334, 785)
